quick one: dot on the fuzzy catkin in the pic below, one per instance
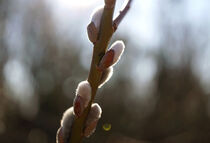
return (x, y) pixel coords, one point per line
(112, 56)
(92, 120)
(118, 48)
(84, 90)
(66, 124)
(95, 112)
(82, 98)
(96, 17)
(92, 32)
(106, 75)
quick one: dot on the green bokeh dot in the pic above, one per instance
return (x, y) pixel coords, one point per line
(107, 127)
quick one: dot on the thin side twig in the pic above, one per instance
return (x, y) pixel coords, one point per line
(121, 15)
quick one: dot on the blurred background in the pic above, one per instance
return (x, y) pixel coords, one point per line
(159, 92)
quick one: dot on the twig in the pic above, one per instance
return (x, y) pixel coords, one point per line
(121, 15)
(100, 47)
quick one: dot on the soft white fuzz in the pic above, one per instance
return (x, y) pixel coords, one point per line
(82, 98)
(106, 75)
(95, 112)
(118, 48)
(84, 90)
(92, 32)
(67, 118)
(66, 124)
(112, 56)
(92, 120)
(90, 129)
(96, 17)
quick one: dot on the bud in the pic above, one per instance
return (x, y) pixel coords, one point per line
(59, 136)
(64, 131)
(90, 129)
(109, 3)
(106, 75)
(83, 96)
(112, 56)
(106, 60)
(93, 27)
(78, 106)
(118, 48)
(92, 32)
(92, 120)
(96, 17)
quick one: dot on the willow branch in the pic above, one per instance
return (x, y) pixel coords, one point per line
(121, 15)
(100, 47)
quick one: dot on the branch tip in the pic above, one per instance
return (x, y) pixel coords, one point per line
(121, 15)
(110, 3)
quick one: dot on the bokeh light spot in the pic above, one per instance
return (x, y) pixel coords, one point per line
(107, 127)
